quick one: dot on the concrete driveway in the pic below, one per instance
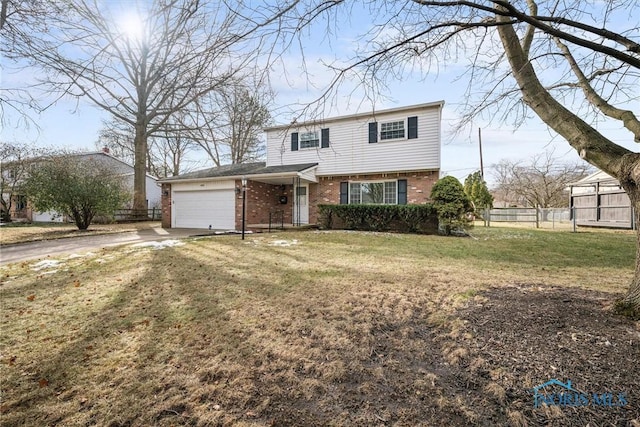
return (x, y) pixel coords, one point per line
(33, 250)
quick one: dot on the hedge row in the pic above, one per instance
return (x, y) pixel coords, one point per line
(402, 218)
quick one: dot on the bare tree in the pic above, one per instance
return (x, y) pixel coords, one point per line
(167, 147)
(169, 152)
(227, 124)
(18, 21)
(171, 53)
(540, 182)
(118, 138)
(571, 63)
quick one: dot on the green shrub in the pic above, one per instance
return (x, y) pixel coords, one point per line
(404, 218)
(452, 204)
(417, 218)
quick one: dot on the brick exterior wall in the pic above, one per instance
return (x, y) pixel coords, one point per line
(261, 199)
(419, 186)
(165, 203)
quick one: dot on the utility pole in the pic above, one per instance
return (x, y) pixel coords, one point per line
(480, 144)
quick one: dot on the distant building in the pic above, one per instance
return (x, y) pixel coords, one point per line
(21, 209)
(600, 201)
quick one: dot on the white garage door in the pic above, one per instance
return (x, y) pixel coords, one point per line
(46, 217)
(201, 209)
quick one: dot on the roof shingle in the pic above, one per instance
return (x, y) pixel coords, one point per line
(247, 169)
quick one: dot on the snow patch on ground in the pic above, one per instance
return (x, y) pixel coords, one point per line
(283, 242)
(44, 264)
(158, 245)
(104, 259)
(74, 256)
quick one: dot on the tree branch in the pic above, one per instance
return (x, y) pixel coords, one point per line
(629, 120)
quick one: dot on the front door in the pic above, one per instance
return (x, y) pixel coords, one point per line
(301, 205)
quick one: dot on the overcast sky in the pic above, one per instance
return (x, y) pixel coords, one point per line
(75, 125)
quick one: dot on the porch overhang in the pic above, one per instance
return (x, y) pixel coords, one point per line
(274, 175)
(284, 178)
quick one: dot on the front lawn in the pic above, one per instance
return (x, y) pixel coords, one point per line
(321, 328)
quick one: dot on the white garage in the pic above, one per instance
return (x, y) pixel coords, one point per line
(46, 217)
(206, 208)
(210, 198)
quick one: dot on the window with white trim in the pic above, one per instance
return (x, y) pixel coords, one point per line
(377, 193)
(392, 130)
(309, 140)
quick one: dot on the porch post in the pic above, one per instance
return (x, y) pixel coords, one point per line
(244, 202)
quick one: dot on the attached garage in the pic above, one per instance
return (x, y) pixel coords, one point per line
(205, 208)
(213, 198)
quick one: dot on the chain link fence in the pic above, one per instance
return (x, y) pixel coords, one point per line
(561, 218)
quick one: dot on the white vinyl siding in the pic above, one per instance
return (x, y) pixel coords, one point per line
(350, 152)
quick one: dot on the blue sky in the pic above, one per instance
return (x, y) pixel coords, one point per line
(75, 125)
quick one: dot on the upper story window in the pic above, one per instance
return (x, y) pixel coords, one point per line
(309, 140)
(392, 130)
(312, 139)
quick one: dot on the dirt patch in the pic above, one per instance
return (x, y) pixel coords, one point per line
(520, 337)
(477, 367)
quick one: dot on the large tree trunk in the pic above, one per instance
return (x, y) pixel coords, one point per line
(140, 172)
(591, 145)
(630, 304)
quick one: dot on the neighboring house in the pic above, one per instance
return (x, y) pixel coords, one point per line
(599, 200)
(21, 210)
(384, 157)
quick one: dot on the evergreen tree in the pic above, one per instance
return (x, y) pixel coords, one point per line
(476, 190)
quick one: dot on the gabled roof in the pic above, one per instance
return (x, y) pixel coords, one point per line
(116, 164)
(600, 176)
(238, 170)
(370, 113)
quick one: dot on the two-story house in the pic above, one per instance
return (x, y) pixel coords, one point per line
(388, 157)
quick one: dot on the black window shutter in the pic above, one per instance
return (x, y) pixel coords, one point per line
(344, 193)
(373, 132)
(412, 127)
(325, 138)
(402, 191)
(294, 141)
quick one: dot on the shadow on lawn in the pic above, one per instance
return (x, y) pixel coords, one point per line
(185, 343)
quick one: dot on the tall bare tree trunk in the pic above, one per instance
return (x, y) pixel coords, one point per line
(140, 171)
(630, 304)
(589, 143)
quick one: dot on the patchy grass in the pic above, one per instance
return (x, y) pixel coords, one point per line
(17, 232)
(320, 328)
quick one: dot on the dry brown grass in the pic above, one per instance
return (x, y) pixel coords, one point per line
(335, 329)
(19, 233)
